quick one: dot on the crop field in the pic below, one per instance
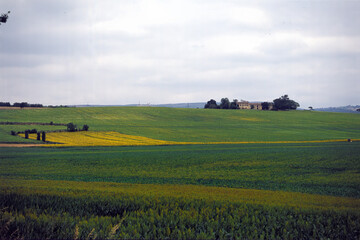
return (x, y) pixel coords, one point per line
(181, 174)
(198, 125)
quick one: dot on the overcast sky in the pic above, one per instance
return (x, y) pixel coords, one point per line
(172, 51)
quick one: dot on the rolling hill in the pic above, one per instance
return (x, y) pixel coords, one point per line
(194, 125)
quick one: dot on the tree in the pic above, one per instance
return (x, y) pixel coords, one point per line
(43, 136)
(310, 108)
(211, 104)
(5, 104)
(85, 127)
(285, 103)
(265, 106)
(24, 104)
(358, 109)
(225, 103)
(4, 17)
(234, 104)
(71, 127)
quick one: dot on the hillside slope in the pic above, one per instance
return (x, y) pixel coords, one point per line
(198, 125)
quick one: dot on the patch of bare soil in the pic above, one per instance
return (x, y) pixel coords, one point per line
(19, 145)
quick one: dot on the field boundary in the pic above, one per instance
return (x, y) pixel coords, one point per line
(32, 123)
(20, 145)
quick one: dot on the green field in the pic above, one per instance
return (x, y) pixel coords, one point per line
(327, 168)
(198, 125)
(254, 191)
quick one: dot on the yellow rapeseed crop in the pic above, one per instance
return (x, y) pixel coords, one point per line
(85, 138)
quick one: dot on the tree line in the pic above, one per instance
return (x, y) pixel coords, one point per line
(281, 103)
(20, 104)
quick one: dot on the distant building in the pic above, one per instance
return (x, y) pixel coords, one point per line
(252, 105)
(244, 104)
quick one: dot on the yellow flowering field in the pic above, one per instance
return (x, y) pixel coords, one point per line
(85, 138)
(111, 138)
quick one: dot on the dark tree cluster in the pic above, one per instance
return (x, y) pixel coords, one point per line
(38, 134)
(5, 104)
(282, 103)
(265, 105)
(57, 106)
(224, 104)
(21, 105)
(25, 104)
(285, 103)
(73, 128)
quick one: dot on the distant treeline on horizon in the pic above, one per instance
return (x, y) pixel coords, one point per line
(21, 105)
(30, 105)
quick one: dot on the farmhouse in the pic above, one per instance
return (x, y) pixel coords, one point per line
(252, 105)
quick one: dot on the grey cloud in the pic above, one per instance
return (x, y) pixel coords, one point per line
(302, 48)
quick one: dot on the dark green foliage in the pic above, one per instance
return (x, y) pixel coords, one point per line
(25, 104)
(211, 104)
(33, 131)
(27, 134)
(85, 128)
(13, 133)
(71, 127)
(265, 105)
(234, 104)
(285, 103)
(38, 136)
(225, 103)
(5, 104)
(47, 216)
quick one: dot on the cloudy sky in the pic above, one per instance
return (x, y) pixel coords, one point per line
(172, 51)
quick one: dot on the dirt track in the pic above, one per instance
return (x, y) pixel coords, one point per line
(19, 145)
